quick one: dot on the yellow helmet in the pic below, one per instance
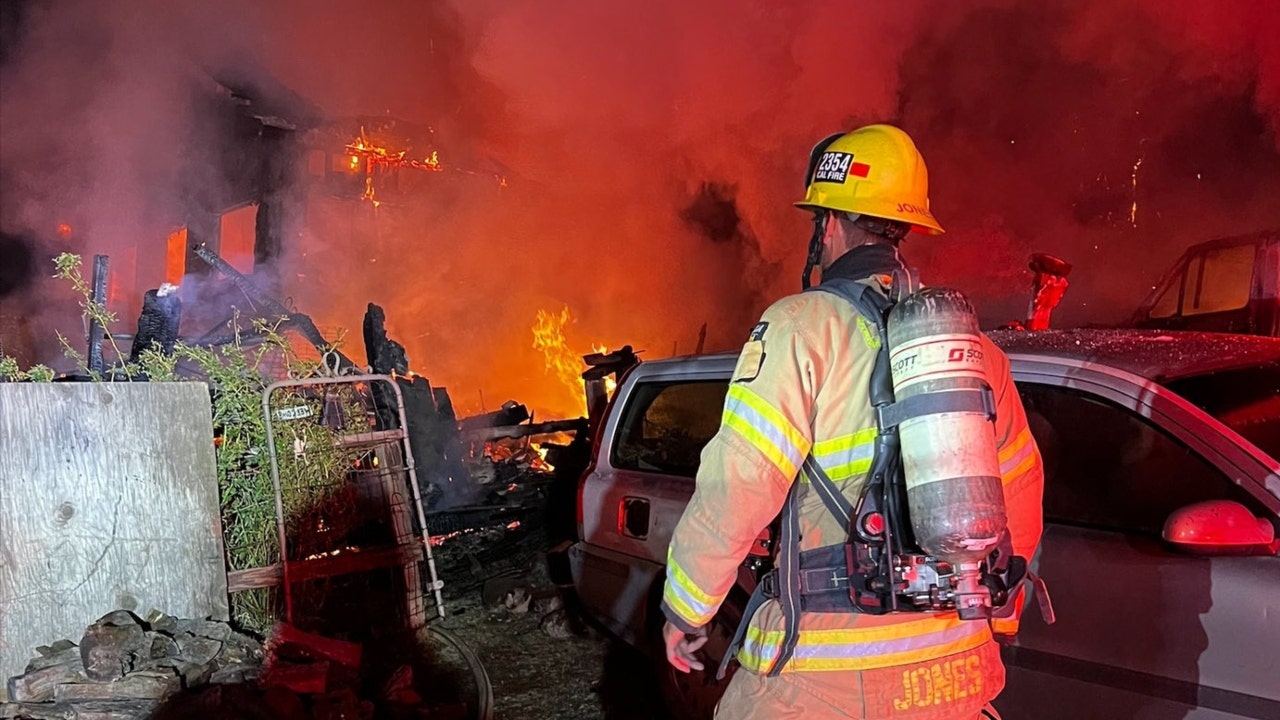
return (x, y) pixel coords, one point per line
(875, 170)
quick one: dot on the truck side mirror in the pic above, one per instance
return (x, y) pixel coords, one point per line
(1220, 527)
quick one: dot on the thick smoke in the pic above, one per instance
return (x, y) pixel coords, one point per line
(651, 151)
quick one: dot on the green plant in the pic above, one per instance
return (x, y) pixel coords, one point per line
(237, 375)
(68, 268)
(10, 371)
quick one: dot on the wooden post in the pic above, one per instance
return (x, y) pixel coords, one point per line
(99, 298)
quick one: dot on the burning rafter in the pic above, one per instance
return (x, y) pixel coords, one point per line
(367, 155)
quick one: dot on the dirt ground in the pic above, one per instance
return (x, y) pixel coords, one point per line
(581, 674)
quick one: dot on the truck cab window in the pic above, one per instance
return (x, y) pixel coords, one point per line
(1219, 280)
(665, 426)
(1167, 304)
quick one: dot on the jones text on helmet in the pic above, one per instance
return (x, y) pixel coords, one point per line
(914, 209)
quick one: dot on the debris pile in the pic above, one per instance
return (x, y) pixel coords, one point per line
(163, 668)
(125, 667)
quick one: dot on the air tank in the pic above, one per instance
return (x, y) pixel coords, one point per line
(954, 494)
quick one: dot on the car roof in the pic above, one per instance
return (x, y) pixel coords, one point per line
(1157, 355)
(1160, 356)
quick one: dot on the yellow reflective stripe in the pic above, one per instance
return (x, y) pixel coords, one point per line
(846, 456)
(767, 429)
(869, 336)
(844, 442)
(1018, 456)
(864, 649)
(682, 594)
(1013, 446)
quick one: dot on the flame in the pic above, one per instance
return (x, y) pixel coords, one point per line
(364, 151)
(560, 359)
(541, 462)
(610, 384)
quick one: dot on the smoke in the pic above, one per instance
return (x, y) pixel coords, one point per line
(651, 153)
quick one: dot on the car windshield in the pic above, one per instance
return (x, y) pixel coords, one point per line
(1246, 400)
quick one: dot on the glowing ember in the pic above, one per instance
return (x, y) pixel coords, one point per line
(1133, 209)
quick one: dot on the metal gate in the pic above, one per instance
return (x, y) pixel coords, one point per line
(353, 539)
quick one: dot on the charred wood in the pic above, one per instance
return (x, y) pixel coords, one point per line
(386, 356)
(550, 427)
(511, 413)
(158, 322)
(99, 298)
(272, 307)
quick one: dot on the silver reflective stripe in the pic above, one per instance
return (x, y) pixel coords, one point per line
(887, 647)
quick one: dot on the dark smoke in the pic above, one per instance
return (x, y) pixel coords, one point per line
(713, 213)
(17, 264)
(1046, 117)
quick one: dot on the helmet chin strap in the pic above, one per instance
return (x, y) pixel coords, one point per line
(820, 219)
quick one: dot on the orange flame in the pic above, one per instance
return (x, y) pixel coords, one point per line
(610, 384)
(541, 462)
(561, 361)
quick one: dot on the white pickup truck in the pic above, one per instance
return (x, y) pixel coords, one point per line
(1136, 428)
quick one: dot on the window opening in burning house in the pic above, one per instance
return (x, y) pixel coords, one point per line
(666, 425)
(1223, 279)
(175, 259)
(236, 236)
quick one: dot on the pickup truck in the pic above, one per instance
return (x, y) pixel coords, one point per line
(1226, 285)
(1157, 447)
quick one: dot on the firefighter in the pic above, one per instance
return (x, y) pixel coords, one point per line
(799, 392)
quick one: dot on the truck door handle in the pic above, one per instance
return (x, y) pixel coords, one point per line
(633, 517)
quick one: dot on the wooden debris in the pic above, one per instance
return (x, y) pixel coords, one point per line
(39, 686)
(113, 646)
(145, 685)
(144, 662)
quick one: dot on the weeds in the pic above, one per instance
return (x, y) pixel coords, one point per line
(312, 464)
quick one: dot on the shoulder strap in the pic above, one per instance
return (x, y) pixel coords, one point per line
(870, 304)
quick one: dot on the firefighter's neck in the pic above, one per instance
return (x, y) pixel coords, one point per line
(842, 236)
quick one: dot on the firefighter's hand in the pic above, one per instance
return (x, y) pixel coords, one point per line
(682, 646)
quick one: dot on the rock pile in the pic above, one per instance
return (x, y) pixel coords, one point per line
(124, 667)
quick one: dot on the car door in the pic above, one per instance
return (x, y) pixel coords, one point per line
(637, 489)
(1143, 631)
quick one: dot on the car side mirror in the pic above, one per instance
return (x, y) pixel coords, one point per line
(1220, 527)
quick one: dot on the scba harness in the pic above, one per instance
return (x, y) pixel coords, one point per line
(879, 569)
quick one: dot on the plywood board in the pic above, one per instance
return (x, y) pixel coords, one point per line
(108, 500)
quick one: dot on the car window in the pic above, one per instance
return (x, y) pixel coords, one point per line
(1219, 280)
(1106, 467)
(665, 426)
(1246, 400)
